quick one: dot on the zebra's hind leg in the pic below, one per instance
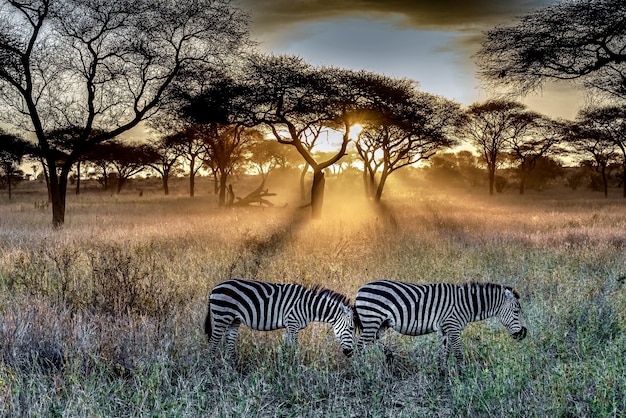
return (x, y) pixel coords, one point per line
(455, 346)
(386, 345)
(231, 338)
(217, 332)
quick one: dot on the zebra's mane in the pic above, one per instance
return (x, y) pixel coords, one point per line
(491, 285)
(331, 294)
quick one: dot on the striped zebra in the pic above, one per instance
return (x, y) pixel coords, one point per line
(414, 309)
(270, 306)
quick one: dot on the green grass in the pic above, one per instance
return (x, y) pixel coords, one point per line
(104, 317)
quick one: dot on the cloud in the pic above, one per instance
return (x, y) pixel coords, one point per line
(278, 15)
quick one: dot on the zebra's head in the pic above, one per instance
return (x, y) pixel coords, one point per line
(511, 314)
(344, 328)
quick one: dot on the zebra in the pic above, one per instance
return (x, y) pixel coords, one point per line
(417, 309)
(267, 306)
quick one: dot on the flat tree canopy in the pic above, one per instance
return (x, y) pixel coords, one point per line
(581, 40)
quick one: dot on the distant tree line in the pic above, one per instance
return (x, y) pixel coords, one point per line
(75, 76)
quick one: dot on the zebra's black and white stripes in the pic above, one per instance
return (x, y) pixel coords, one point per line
(414, 309)
(269, 306)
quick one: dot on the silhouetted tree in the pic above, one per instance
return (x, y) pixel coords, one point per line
(537, 142)
(594, 135)
(266, 155)
(610, 123)
(545, 168)
(129, 160)
(492, 126)
(309, 141)
(227, 146)
(104, 65)
(165, 159)
(401, 126)
(574, 40)
(294, 99)
(190, 145)
(99, 157)
(12, 150)
(220, 113)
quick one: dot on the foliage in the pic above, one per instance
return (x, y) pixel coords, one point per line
(572, 40)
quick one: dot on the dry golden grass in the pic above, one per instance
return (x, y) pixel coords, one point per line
(104, 317)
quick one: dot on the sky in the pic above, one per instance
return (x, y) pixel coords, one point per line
(430, 41)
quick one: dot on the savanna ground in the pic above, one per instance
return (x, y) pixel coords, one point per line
(104, 317)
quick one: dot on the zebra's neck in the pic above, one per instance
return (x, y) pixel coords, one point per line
(325, 305)
(483, 300)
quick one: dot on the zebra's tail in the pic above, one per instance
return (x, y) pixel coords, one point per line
(207, 322)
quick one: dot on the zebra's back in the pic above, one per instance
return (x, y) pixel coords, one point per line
(408, 308)
(259, 305)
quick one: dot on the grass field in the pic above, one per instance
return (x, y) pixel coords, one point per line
(104, 317)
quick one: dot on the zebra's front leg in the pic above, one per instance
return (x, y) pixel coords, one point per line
(451, 340)
(290, 340)
(455, 346)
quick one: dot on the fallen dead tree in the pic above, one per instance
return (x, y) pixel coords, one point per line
(258, 196)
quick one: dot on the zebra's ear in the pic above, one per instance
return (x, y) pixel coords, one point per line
(511, 293)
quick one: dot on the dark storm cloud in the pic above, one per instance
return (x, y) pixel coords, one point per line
(274, 15)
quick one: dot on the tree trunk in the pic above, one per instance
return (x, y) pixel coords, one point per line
(522, 183)
(605, 182)
(624, 180)
(47, 177)
(78, 177)
(380, 187)
(57, 188)
(222, 195)
(317, 194)
(492, 178)
(192, 178)
(166, 187)
(9, 182)
(120, 183)
(302, 177)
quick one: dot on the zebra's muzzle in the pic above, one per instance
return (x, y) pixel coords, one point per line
(348, 352)
(520, 335)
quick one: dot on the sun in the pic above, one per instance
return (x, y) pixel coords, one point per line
(355, 130)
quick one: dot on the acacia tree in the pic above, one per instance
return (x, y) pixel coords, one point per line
(102, 65)
(190, 144)
(608, 123)
(165, 159)
(599, 134)
(582, 40)
(266, 155)
(492, 126)
(220, 113)
(125, 159)
(294, 99)
(12, 150)
(540, 140)
(401, 126)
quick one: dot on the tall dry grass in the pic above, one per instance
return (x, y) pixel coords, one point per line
(104, 317)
